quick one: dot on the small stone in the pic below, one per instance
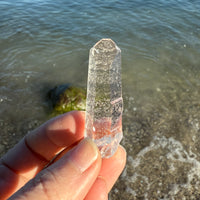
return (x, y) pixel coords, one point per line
(104, 102)
(158, 89)
(65, 98)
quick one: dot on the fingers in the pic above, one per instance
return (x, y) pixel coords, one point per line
(56, 134)
(35, 151)
(98, 191)
(38, 148)
(112, 167)
(9, 182)
(70, 177)
(110, 170)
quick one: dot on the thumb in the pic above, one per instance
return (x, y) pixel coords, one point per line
(71, 177)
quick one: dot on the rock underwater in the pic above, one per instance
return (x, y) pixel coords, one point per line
(65, 98)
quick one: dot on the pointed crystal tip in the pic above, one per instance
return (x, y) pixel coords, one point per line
(106, 44)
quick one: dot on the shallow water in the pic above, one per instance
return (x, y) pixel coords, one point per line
(45, 43)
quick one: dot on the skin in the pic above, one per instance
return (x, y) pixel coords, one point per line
(55, 162)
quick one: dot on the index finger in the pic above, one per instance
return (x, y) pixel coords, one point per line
(39, 147)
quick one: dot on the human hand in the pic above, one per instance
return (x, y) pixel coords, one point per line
(55, 162)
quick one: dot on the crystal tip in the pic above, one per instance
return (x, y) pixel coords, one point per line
(105, 44)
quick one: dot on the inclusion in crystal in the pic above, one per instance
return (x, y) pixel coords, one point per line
(104, 103)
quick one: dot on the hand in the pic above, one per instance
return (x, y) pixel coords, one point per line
(55, 162)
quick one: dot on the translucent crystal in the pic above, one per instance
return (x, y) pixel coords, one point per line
(104, 103)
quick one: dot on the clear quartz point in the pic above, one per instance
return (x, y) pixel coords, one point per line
(104, 103)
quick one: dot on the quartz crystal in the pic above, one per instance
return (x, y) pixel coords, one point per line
(104, 102)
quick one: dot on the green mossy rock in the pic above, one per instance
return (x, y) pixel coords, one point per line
(65, 98)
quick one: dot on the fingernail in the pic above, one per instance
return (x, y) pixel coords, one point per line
(84, 154)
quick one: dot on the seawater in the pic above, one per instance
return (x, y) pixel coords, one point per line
(46, 43)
